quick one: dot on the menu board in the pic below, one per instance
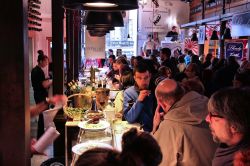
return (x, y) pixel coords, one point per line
(234, 49)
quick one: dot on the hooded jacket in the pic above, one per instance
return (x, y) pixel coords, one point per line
(183, 135)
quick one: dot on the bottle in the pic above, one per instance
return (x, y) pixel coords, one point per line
(99, 83)
(93, 107)
(92, 74)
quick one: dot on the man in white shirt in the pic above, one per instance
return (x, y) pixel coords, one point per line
(148, 46)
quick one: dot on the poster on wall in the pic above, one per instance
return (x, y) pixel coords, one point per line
(202, 34)
(95, 47)
(161, 15)
(234, 49)
(192, 45)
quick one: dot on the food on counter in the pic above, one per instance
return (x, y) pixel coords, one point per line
(93, 114)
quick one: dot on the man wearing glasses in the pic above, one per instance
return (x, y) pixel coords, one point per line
(182, 131)
(229, 121)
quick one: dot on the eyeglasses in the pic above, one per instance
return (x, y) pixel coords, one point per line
(214, 115)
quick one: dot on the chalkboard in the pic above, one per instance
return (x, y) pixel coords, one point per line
(234, 49)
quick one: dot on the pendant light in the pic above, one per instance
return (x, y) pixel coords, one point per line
(194, 37)
(100, 28)
(101, 5)
(214, 36)
(103, 19)
(227, 34)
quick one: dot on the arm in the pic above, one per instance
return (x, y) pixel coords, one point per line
(131, 113)
(46, 83)
(38, 108)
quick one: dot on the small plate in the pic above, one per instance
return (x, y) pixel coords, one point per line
(81, 148)
(102, 125)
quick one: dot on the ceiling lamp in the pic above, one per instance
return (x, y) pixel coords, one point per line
(227, 34)
(103, 19)
(100, 28)
(214, 36)
(97, 33)
(98, 3)
(101, 5)
(194, 37)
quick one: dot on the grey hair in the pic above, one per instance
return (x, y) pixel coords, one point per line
(233, 104)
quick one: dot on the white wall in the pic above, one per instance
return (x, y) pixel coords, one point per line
(171, 13)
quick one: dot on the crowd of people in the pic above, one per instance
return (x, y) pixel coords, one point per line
(192, 112)
(190, 106)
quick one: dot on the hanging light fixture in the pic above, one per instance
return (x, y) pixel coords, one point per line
(100, 28)
(214, 35)
(103, 19)
(227, 34)
(101, 5)
(194, 37)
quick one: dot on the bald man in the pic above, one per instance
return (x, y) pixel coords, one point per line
(181, 130)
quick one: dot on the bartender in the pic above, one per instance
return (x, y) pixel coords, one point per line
(173, 33)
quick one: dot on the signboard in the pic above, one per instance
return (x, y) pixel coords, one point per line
(95, 47)
(234, 49)
(202, 34)
(241, 25)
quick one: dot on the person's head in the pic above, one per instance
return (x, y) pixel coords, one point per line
(137, 60)
(181, 59)
(111, 59)
(192, 70)
(209, 57)
(127, 80)
(98, 157)
(140, 149)
(167, 93)
(40, 52)
(111, 52)
(174, 28)
(186, 51)
(193, 85)
(229, 115)
(165, 53)
(121, 61)
(132, 61)
(149, 37)
(165, 71)
(142, 76)
(115, 66)
(190, 52)
(42, 60)
(242, 79)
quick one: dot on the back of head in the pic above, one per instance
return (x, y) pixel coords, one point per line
(40, 52)
(166, 51)
(140, 149)
(233, 104)
(98, 157)
(243, 77)
(41, 57)
(121, 60)
(112, 57)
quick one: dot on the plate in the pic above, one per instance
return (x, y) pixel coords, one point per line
(102, 125)
(80, 148)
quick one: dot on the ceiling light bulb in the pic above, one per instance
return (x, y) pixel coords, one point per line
(100, 4)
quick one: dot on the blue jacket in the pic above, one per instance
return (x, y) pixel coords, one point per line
(139, 112)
